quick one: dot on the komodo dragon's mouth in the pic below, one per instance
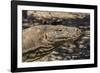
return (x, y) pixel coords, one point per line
(60, 39)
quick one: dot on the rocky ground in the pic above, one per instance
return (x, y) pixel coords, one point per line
(80, 20)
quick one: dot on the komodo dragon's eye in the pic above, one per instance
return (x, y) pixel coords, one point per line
(59, 30)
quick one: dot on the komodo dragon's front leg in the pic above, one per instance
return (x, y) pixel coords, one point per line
(39, 52)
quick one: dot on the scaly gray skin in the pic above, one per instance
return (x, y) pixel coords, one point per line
(41, 40)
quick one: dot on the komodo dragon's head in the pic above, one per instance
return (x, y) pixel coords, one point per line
(52, 36)
(61, 33)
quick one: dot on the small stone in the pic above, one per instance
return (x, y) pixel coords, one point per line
(87, 32)
(81, 42)
(81, 46)
(70, 50)
(54, 52)
(85, 38)
(36, 24)
(59, 57)
(72, 46)
(74, 57)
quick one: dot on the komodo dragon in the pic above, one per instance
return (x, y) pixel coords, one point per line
(39, 41)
